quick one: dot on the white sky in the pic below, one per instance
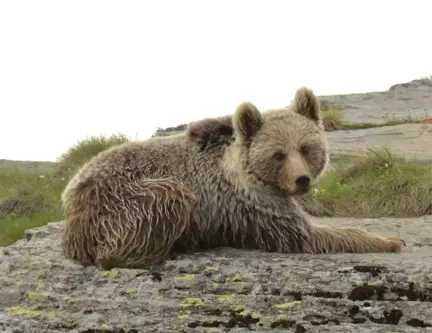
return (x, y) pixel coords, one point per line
(71, 69)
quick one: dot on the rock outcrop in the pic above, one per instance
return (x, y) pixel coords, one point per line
(406, 101)
(412, 141)
(222, 290)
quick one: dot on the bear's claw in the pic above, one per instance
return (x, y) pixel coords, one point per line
(396, 244)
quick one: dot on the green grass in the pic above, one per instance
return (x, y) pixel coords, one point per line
(27, 200)
(378, 184)
(30, 195)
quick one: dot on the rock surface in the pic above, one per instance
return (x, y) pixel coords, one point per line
(402, 101)
(224, 289)
(408, 140)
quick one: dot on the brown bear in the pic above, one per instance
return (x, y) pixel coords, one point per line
(228, 181)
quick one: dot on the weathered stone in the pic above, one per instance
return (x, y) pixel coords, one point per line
(222, 290)
(413, 141)
(412, 101)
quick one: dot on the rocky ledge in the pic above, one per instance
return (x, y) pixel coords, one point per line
(222, 290)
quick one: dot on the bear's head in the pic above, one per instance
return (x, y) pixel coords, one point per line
(285, 149)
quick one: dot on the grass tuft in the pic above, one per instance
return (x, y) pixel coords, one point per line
(84, 150)
(332, 119)
(426, 80)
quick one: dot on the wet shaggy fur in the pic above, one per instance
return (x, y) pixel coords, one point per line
(226, 181)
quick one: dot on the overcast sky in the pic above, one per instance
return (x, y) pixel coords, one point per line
(71, 69)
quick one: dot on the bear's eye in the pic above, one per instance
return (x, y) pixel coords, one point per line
(278, 156)
(304, 150)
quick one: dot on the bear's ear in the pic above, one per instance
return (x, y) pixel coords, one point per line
(307, 104)
(247, 120)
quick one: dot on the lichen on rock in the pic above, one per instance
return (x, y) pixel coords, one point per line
(222, 290)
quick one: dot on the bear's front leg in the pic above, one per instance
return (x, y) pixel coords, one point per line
(352, 240)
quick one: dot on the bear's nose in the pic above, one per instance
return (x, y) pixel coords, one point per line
(302, 181)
